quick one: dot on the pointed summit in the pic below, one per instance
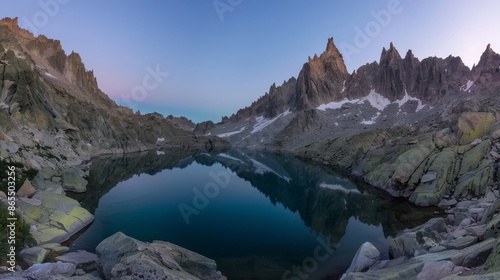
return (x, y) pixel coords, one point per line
(409, 55)
(333, 56)
(489, 61)
(390, 54)
(331, 48)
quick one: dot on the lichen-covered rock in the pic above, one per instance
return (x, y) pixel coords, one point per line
(56, 219)
(474, 125)
(47, 173)
(473, 157)
(475, 182)
(33, 255)
(72, 181)
(123, 257)
(431, 193)
(492, 264)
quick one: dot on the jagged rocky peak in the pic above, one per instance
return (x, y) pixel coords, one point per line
(390, 81)
(13, 25)
(48, 56)
(76, 73)
(321, 79)
(489, 61)
(331, 57)
(486, 74)
(389, 55)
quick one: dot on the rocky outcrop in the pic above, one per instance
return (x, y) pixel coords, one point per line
(443, 248)
(52, 108)
(474, 125)
(122, 257)
(203, 127)
(424, 167)
(72, 180)
(181, 122)
(321, 79)
(52, 216)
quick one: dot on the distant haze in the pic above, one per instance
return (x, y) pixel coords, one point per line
(221, 55)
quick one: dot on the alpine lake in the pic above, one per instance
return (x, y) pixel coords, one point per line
(259, 215)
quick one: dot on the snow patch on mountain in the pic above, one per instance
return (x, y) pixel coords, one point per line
(407, 98)
(467, 86)
(50, 75)
(376, 100)
(231, 133)
(336, 104)
(262, 122)
(372, 120)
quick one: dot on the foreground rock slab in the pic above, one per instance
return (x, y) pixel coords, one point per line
(123, 257)
(56, 219)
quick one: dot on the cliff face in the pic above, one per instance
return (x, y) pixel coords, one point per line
(52, 105)
(325, 79)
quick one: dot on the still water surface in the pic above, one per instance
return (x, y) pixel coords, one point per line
(258, 215)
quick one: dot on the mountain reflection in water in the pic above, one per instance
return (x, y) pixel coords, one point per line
(267, 219)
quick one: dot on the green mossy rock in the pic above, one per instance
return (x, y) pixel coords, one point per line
(475, 182)
(473, 157)
(474, 125)
(430, 193)
(72, 181)
(33, 255)
(492, 264)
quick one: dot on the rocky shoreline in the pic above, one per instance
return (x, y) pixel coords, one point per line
(53, 218)
(457, 171)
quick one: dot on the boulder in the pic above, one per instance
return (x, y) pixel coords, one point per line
(365, 257)
(431, 193)
(438, 270)
(47, 173)
(419, 240)
(82, 259)
(492, 264)
(461, 242)
(408, 162)
(55, 247)
(445, 203)
(428, 177)
(33, 255)
(474, 125)
(32, 201)
(45, 270)
(476, 181)
(477, 254)
(122, 255)
(473, 157)
(445, 138)
(495, 132)
(26, 190)
(56, 219)
(72, 181)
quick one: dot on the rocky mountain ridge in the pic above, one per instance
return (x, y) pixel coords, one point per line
(325, 79)
(395, 91)
(53, 108)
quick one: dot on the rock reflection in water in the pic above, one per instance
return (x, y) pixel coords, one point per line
(329, 205)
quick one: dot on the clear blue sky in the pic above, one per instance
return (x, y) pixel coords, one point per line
(221, 61)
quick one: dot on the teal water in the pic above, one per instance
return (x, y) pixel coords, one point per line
(263, 216)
